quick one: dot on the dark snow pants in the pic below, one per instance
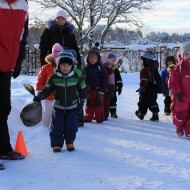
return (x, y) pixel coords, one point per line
(167, 104)
(147, 100)
(64, 126)
(113, 103)
(5, 109)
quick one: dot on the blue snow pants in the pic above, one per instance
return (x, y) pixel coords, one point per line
(64, 126)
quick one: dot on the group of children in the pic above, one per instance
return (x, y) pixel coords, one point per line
(173, 83)
(65, 89)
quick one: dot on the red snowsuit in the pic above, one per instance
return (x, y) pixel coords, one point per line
(44, 74)
(179, 83)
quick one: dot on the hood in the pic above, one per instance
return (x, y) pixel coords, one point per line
(52, 25)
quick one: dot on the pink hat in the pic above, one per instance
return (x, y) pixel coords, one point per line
(55, 50)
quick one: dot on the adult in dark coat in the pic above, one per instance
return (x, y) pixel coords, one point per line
(59, 31)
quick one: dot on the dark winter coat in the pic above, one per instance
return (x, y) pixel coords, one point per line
(96, 77)
(66, 89)
(118, 79)
(149, 76)
(54, 33)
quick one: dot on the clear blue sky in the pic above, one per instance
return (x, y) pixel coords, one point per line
(168, 15)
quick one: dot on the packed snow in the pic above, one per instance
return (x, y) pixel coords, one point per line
(118, 154)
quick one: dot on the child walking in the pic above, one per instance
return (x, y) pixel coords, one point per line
(67, 84)
(150, 86)
(170, 60)
(118, 85)
(179, 84)
(43, 76)
(97, 82)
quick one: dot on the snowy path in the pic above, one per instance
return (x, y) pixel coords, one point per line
(119, 154)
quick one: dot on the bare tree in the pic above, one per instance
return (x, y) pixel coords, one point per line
(87, 14)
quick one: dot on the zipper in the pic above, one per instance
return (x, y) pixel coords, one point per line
(62, 36)
(65, 92)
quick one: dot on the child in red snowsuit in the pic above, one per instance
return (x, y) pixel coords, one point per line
(180, 88)
(97, 82)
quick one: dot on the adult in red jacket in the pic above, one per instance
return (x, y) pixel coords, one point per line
(13, 33)
(179, 84)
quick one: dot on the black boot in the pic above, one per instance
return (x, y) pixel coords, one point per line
(154, 117)
(114, 115)
(139, 115)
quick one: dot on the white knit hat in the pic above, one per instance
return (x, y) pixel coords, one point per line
(61, 13)
(184, 48)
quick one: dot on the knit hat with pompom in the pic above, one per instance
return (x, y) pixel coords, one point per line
(55, 50)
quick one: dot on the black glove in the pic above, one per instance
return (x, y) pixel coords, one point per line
(17, 69)
(141, 89)
(119, 90)
(37, 98)
(98, 100)
(178, 96)
(100, 96)
(80, 106)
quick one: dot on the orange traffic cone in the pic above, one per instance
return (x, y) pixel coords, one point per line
(20, 144)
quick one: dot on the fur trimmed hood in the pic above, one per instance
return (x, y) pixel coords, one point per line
(52, 25)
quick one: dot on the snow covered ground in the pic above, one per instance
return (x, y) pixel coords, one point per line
(119, 154)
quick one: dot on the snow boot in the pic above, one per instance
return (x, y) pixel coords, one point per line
(179, 131)
(154, 117)
(12, 155)
(81, 124)
(139, 115)
(56, 149)
(2, 167)
(70, 147)
(114, 115)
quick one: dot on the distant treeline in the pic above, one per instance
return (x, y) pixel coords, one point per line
(120, 36)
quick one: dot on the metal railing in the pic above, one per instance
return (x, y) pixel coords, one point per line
(31, 64)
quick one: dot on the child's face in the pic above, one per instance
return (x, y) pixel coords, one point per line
(65, 68)
(93, 58)
(170, 62)
(186, 55)
(113, 60)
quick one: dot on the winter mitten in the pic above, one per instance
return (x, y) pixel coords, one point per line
(141, 89)
(178, 96)
(37, 98)
(17, 69)
(98, 100)
(119, 90)
(80, 106)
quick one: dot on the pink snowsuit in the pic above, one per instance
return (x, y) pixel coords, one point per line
(180, 83)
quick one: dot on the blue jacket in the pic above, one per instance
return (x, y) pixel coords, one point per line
(96, 77)
(165, 76)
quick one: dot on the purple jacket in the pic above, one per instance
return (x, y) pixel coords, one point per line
(96, 77)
